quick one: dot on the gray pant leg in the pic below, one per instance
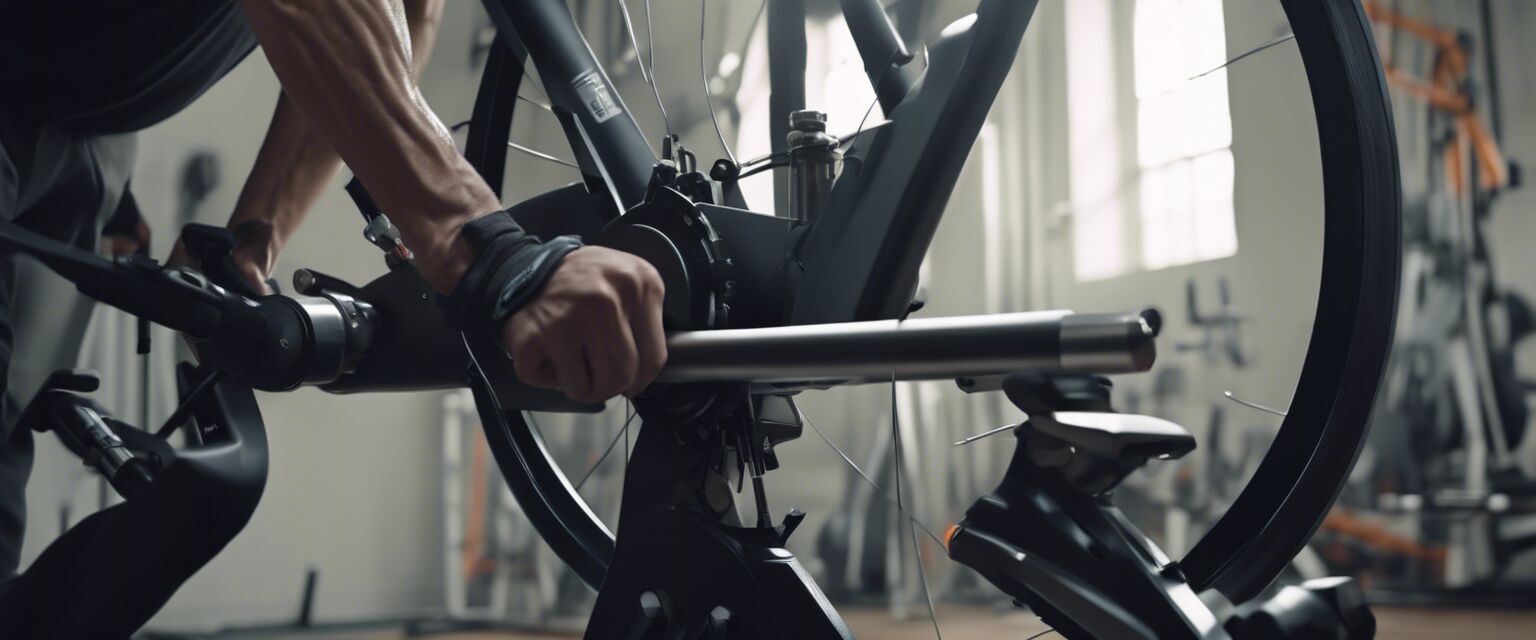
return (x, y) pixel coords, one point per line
(66, 190)
(15, 445)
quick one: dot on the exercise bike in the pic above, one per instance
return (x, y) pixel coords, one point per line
(761, 308)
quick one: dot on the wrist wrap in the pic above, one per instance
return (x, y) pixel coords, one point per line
(509, 270)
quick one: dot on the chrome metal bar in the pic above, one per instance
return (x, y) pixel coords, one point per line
(923, 349)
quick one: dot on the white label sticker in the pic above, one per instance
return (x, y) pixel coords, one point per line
(595, 94)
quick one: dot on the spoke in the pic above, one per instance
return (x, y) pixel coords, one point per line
(640, 60)
(704, 77)
(868, 480)
(985, 434)
(917, 551)
(1285, 38)
(623, 433)
(1263, 47)
(537, 103)
(541, 155)
(650, 40)
(1253, 405)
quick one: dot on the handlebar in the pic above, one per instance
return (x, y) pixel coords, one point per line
(275, 343)
(380, 337)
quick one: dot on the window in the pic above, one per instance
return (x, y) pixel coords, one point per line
(1183, 133)
(1180, 190)
(834, 83)
(1093, 141)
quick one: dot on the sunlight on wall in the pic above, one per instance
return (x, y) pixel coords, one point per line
(1183, 133)
(834, 83)
(1093, 135)
(1183, 203)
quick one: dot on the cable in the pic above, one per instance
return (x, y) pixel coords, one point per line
(859, 131)
(185, 408)
(704, 76)
(761, 168)
(1040, 634)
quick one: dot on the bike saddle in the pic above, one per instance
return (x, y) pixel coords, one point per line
(1072, 426)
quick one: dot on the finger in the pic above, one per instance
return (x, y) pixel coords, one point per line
(573, 374)
(256, 278)
(650, 346)
(532, 364)
(618, 359)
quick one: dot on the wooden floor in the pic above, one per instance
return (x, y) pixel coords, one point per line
(960, 623)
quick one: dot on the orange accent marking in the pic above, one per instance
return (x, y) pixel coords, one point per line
(474, 529)
(1347, 524)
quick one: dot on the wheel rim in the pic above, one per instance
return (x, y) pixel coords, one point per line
(1318, 441)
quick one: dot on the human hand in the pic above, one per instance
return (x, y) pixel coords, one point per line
(254, 256)
(120, 245)
(594, 331)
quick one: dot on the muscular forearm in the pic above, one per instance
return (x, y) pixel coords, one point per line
(347, 66)
(296, 165)
(293, 168)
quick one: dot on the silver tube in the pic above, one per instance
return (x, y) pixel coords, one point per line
(925, 349)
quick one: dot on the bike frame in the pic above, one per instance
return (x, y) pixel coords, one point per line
(858, 260)
(911, 164)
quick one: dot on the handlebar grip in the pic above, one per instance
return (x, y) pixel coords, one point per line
(213, 247)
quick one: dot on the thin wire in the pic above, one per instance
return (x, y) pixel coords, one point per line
(984, 434)
(634, 42)
(650, 40)
(1285, 38)
(868, 480)
(541, 155)
(860, 130)
(704, 76)
(182, 411)
(537, 103)
(917, 551)
(761, 168)
(623, 433)
(1272, 43)
(1040, 634)
(640, 61)
(1253, 405)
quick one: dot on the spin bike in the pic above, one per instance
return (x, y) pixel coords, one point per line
(761, 307)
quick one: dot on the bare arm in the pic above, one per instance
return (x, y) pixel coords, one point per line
(594, 330)
(348, 71)
(296, 164)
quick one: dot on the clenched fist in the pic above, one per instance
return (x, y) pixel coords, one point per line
(594, 331)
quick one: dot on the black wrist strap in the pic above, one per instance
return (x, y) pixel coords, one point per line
(509, 270)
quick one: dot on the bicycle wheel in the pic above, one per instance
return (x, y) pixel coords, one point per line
(1339, 360)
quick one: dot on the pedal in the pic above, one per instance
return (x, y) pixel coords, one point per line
(79, 423)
